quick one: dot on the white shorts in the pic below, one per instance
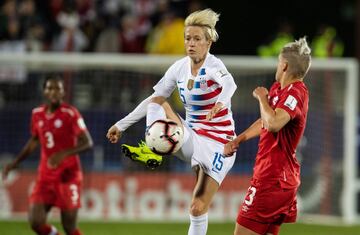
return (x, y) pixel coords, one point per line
(207, 153)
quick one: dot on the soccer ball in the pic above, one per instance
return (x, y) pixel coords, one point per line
(164, 137)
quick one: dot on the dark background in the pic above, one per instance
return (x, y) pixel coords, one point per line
(246, 24)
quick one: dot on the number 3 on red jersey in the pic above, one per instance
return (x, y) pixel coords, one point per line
(250, 196)
(49, 140)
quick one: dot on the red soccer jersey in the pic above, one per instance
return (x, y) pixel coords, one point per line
(58, 131)
(276, 159)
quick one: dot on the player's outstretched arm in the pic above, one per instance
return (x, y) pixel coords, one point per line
(115, 131)
(253, 131)
(29, 147)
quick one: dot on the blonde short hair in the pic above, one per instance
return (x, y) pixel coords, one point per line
(298, 56)
(207, 20)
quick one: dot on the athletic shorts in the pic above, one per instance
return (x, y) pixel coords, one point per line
(266, 206)
(207, 153)
(63, 195)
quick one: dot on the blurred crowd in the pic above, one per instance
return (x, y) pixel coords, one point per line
(127, 26)
(325, 43)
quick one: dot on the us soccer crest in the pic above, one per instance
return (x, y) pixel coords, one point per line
(203, 83)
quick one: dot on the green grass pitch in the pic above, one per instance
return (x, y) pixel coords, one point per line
(110, 228)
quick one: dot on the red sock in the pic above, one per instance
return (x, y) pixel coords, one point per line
(76, 232)
(46, 229)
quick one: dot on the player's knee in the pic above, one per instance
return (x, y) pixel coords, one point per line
(198, 207)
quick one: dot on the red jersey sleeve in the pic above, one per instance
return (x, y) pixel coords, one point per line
(292, 102)
(78, 123)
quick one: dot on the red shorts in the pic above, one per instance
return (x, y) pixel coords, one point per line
(63, 195)
(266, 207)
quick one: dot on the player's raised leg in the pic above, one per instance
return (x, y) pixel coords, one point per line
(156, 110)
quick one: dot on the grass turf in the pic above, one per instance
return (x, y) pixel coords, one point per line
(110, 228)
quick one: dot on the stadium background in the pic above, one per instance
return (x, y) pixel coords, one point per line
(118, 189)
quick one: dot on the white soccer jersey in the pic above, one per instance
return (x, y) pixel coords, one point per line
(200, 93)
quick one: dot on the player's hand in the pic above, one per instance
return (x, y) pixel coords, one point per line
(260, 92)
(55, 159)
(113, 134)
(217, 107)
(230, 148)
(6, 170)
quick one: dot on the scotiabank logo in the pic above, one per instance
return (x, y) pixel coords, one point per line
(151, 196)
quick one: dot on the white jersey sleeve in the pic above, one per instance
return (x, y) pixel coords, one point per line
(167, 83)
(226, 80)
(136, 115)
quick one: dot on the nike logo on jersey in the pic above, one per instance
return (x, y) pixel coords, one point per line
(180, 82)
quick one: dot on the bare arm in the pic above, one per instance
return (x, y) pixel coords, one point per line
(253, 131)
(115, 131)
(84, 143)
(29, 148)
(273, 120)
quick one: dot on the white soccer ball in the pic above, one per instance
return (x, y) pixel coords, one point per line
(164, 137)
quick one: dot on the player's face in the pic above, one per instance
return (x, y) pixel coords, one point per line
(196, 44)
(54, 91)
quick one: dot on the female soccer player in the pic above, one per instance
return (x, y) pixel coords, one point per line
(205, 87)
(61, 132)
(271, 198)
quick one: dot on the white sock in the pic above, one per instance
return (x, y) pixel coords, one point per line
(53, 231)
(154, 112)
(198, 224)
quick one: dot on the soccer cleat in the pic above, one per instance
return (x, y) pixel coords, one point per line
(142, 154)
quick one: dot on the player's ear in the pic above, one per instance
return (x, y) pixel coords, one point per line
(285, 66)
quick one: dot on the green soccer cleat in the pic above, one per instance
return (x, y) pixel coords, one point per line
(142, 154)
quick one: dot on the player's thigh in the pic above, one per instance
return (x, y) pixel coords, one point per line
(69, 218)
(208, 154)
(69, 195)
(171, 114)
(38, 213)
(241, 230)
(205, 188)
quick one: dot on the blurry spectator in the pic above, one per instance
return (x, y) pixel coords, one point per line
(282, 36)
(195, 5)
(11, 34)
(130, 37)
(168, 36)
(8, 13)
(108, 40)
(71, 38)
(31, 26)
(161, 8)
(326, 43)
